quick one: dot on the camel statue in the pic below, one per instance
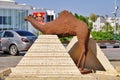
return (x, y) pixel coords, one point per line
(66, 25)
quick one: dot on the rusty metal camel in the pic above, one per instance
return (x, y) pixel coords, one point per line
(66, 25)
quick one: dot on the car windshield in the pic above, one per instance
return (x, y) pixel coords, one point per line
(25, 33)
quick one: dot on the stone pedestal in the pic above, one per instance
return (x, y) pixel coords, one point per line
(47, 59)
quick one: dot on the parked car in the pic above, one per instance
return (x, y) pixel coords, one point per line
(15, 41)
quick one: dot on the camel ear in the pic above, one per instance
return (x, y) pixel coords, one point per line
(30, 15)
(27, 16)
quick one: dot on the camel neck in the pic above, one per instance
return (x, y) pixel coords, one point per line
(37, 25)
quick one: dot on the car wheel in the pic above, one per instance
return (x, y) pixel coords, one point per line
(13, 50)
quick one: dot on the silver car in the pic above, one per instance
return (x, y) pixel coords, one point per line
(16, 41)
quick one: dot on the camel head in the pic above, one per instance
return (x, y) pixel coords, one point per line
(29, 17)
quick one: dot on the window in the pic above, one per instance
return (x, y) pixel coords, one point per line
(13, 19)
(49, 18)
(8, 34)
(25, 33)
(6, 20)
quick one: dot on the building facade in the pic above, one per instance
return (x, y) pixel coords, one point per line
(48, 16)
(12, 15)
(98, 24)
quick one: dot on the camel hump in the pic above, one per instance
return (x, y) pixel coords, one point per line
(65, 13)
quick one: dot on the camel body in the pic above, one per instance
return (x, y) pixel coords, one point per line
(66, 25)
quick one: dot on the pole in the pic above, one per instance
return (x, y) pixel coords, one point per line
(115, 16)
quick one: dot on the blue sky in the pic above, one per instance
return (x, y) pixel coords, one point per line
(81, 7)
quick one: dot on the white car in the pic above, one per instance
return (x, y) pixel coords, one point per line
(15, 41)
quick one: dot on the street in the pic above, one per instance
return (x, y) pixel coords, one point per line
(7, 60)
(113, 54)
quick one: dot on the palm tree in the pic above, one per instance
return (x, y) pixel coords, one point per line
(107, 27)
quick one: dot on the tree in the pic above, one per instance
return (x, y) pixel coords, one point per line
(107, 27)
(84, 19)
(93, 17)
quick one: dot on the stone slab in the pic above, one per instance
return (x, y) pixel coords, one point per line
(96, 59)
(52, 78)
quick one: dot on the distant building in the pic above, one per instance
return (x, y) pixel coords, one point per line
(48, 16)
(98, 24)
(12, 15)
(112, 19)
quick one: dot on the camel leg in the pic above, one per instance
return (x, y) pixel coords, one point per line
(84, 60)
(83, 45)
(82, 57)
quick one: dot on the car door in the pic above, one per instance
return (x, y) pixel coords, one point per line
(6, 40)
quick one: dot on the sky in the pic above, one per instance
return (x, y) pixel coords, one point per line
(81, 7)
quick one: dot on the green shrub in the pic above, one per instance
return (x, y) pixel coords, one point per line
(118, 37)
(65, 39)
(102, 35)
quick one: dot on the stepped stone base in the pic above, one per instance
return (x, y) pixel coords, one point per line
(47, 59)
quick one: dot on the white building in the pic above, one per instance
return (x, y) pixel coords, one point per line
(112, 19)
(98, 24)
(12, 15)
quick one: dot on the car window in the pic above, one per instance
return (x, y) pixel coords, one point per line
(25, 33)
(8, 34)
